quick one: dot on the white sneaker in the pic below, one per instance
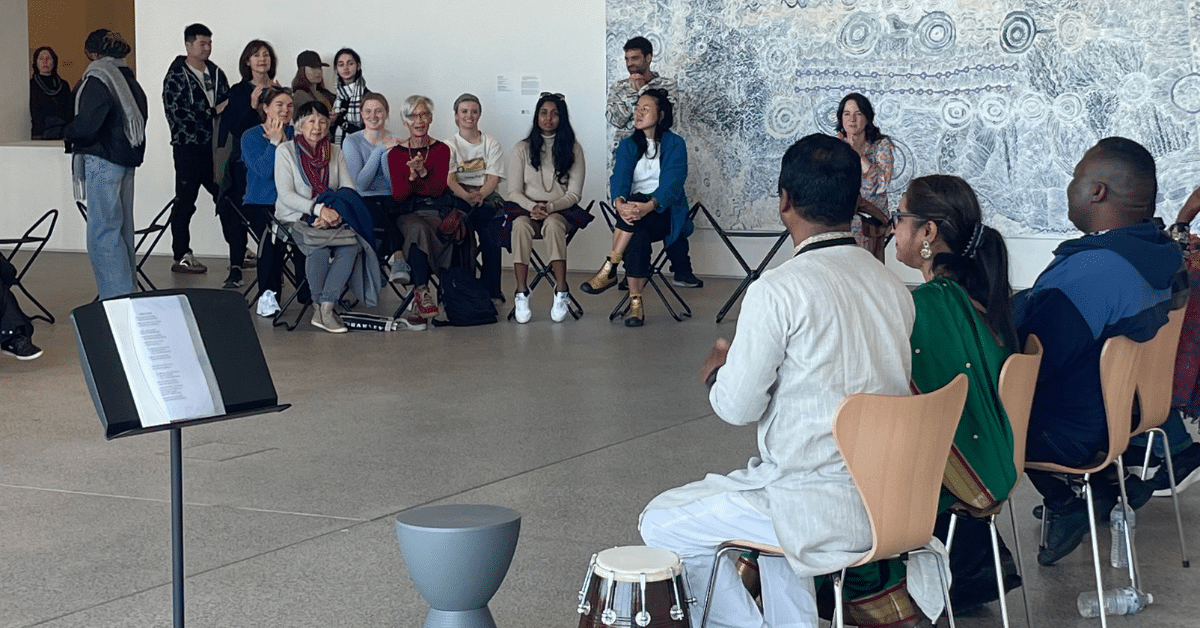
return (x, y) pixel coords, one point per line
(521, 308)
(558, 311)
(267, 305)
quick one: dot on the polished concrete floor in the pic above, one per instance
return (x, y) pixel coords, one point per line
(290, 517)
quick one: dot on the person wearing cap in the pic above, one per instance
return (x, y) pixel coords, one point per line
(108, 140)
(195, 92)
(309, 84)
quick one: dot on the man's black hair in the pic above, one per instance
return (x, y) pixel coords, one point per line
(821, 175)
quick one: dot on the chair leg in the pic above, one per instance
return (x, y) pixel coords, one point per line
(712, 583)
(1150, 447)
(1020, 565)
(1131, 550)
(1087, 491)
(1183, 553)
(999, 570)
(950, 531)
(943, 565)
(839, 620)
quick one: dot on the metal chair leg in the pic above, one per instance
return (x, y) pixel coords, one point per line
(712, 583)
(1135, 576)
(1087, 491)
(1183, 553)
(1020, 565)
(999, 570)
(839, 620)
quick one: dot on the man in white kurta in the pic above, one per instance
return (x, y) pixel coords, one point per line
(828, 323)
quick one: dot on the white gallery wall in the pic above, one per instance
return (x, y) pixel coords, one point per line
(438, 49)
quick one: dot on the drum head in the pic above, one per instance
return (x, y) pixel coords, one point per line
(627, 564)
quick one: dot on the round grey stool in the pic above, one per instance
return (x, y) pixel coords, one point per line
(458, 555)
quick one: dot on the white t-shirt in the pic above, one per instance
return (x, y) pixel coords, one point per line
(471, 163)
(647, 171)
(209, 87)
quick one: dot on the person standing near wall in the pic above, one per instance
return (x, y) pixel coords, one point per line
(622, 99)
(108, 139)
(195, 92)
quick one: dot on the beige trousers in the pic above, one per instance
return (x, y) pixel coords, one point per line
(553, 230)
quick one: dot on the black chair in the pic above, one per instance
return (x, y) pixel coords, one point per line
(656, 274)
(542, 270)
(289, 250)
(752, 274)
(37, 235)
(151, 233)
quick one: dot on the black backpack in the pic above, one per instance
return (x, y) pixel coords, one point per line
(464, 299)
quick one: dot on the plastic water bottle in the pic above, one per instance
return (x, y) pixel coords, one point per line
(1122, 601)
(1120, 517)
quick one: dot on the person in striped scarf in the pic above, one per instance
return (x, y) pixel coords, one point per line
(351, 88)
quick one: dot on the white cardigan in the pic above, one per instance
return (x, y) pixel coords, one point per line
(295, 197)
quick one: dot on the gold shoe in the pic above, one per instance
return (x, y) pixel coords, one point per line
(604, 279)
(636, 315)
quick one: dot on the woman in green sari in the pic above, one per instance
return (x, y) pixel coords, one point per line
(963, 325)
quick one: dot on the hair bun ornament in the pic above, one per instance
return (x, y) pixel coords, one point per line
(973, 245)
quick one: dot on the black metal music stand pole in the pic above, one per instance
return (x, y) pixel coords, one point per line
(177, 523)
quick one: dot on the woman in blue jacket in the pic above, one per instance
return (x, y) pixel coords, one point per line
(647, 191)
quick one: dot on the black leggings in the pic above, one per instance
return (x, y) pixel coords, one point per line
(651, 228)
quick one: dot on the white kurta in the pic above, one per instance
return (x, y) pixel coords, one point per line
(826, 324)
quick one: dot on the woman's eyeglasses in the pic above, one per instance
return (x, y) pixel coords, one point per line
(896, 216)
(420, 117)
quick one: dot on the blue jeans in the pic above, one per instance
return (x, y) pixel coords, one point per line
(110, 225)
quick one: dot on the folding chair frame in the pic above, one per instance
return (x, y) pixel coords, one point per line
(752, 274)
(156, 228)
(660, 260)
(40, 241)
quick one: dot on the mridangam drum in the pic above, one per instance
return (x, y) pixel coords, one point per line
(634, 586)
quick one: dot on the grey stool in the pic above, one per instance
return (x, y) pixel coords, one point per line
(458, 555)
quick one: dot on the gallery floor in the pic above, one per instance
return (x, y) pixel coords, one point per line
(290, 517)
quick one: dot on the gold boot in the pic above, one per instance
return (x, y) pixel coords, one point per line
(604, 278)
(636, 315)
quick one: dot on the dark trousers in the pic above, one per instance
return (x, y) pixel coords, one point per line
(271, 254)
(384, 212)
(677, 253)
(487, 221)
(234, 218)
(649, 229)
(1060, 491)
(193, 169)
(13, 321)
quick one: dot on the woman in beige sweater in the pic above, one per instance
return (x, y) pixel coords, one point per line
(545, 182)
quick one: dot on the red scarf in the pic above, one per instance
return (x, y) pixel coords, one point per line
(314, 162)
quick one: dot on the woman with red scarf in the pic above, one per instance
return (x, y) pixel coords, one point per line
(305, 168)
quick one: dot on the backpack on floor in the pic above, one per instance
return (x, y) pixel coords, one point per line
(464, 299)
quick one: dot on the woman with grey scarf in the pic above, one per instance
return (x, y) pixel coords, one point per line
(108, 139)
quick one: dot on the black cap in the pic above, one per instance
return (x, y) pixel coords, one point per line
(310, 59)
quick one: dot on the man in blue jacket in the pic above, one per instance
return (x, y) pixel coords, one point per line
(195, 92)
(1119, 279)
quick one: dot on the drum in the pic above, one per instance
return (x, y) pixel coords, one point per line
(634, 586)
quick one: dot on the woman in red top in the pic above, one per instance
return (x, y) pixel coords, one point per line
(419, 167)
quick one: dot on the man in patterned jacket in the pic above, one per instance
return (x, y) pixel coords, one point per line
(195, 92)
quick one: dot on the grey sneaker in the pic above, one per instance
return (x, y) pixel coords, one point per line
(188, 265)
(400, 272)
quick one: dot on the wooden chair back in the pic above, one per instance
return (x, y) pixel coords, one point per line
(896, 450)
(1119, 362)
(1156, 375)
(1018, 380)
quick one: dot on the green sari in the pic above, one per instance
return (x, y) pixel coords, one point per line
(949, 337)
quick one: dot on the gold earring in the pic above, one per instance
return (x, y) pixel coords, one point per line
(926, 252)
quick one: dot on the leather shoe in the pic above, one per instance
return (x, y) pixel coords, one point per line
(1064, 532)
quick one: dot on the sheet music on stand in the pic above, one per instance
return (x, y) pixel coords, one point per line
(170, 359)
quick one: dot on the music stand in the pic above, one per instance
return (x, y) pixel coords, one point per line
(231, 347)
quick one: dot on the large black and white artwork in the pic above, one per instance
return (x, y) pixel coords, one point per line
(1006, 94)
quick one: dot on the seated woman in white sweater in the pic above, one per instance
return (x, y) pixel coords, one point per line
(305, 168)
